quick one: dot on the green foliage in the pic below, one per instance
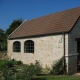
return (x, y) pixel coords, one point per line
(3, 64)
(29, 71)
(4, 45)
(57, 68)
(16, 70)
(9, 63)
(2, 39)
(38, 67)
(17, 62)
(4, 34)
(1, 32)
(13, 26)
(9, 73)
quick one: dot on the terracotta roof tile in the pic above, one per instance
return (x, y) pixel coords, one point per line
(53, 23)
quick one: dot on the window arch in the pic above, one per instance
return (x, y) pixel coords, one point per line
(16, 46)
(29, 46)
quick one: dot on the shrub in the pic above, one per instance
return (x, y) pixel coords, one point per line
(3, 64)
(38, 67)
(57, 68)
(23, 72)
(29, 71)
(9, 63)
(9, 74)
(17, 62)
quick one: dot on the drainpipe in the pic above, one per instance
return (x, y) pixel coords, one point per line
(64, 51)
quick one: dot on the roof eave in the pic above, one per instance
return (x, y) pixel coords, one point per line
(16, 29)
(40, 35)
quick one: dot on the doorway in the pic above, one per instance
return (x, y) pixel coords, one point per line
(78, 57)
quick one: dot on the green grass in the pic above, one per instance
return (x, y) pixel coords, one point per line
(57, 78)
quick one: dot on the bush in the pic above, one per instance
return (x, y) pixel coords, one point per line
(38, 67)
(3, 64)
(29, 71)
(23, 72)
(9, 63)
(57, 68)
(17, 62)
(9, 74)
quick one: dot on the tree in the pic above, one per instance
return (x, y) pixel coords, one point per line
(4, 35)
(1, 38)
(1, 32)
(13, 26)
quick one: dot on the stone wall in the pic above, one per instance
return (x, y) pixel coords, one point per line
(72, 47)
(47, 49)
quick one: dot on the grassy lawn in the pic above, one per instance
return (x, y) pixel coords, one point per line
(54, 78)
(57, 78)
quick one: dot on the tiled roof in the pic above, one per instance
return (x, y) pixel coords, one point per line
(54, 23)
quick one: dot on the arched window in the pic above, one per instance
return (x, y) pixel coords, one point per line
(16, 46)
(29, 46)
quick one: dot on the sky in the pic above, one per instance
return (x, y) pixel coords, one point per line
(11, 10)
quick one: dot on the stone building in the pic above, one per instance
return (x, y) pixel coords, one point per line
(47, 39)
